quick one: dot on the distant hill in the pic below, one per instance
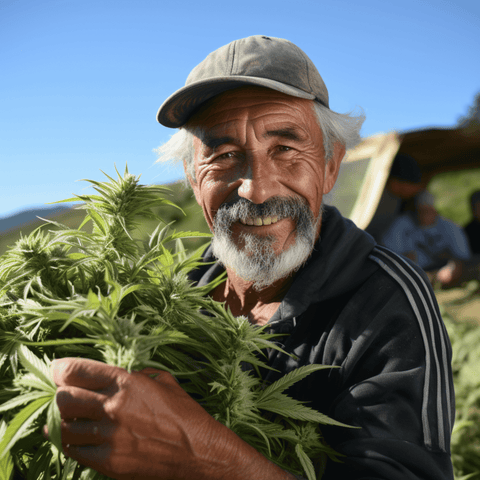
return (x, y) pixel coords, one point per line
(23, 223)
(26, 216)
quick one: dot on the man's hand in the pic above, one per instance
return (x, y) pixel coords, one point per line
(458, 271)
(130, 426)
(450, 274)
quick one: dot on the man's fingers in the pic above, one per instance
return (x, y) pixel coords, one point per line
(74, 402)
(94, 456)
(85, 432)
(160, 376)
(85, 373)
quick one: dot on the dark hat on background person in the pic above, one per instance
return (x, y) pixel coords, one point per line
(258, 60)
(406, 168)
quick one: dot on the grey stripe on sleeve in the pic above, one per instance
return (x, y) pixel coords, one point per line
(407, 278)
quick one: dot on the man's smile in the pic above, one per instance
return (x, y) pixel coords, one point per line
(260, 221)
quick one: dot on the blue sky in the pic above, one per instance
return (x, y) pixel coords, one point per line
(81, 80)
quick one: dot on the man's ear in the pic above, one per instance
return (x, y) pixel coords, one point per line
(333, 167)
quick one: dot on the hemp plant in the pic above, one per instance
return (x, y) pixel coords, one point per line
(107, 295)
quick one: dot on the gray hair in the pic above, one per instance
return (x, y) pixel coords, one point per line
(336, 127)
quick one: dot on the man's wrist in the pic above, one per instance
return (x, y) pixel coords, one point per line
(235, 459)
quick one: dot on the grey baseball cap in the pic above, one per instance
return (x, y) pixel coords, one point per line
(257, 60)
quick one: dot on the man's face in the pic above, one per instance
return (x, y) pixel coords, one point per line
(403, 189)
(427, 215)
(262, 148)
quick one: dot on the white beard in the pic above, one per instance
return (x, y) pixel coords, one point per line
(257, 261)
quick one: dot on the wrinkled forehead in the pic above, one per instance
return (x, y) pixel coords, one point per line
(226, 115)
(235, 104)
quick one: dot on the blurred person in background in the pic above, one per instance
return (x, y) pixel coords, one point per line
(458, 271)
(427, 238)
(472, 230)
(404, 182)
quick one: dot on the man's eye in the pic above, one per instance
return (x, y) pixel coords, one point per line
(284, 148)
(227, 156)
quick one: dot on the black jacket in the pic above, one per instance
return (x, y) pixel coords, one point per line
(373, 313)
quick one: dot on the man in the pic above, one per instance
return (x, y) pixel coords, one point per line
(459, 271)
(404, 182)
(261, 148)
(472, 230)
(426, 237)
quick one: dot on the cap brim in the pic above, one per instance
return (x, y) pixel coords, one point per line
(178, 108)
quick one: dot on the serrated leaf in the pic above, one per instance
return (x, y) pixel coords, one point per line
(166, 258)
(217, 386)
(40, 462)
(6, 467)
(283, 405)
(77, 256)
(53, 424)
(134, 288)
(37, 367)
(98, 220)
(305, 462)
(21, 422)
(52, 222)
(66, 341)
(32, 381)
(6, 463)
(290, 378)
(93, 301)
(180, 251)
(261, 432)
(22, 400)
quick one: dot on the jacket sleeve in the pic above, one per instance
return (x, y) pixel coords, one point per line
(394, 382)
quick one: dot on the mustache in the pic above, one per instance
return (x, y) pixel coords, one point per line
(281, 207)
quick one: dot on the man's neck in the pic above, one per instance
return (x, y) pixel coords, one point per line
(242, 299)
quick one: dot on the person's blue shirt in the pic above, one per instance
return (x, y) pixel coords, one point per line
(431, 245)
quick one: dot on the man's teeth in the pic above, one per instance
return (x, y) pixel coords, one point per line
(259, 221)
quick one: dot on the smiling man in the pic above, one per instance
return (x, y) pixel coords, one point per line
(260, 175)
(261, 148)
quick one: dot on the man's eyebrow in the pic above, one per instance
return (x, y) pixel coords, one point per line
(212, 142)
(287, 133)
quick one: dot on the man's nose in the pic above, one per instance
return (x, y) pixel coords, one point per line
(259, 182)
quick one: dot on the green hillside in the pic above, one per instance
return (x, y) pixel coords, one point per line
(71, 218)
(452, 192)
